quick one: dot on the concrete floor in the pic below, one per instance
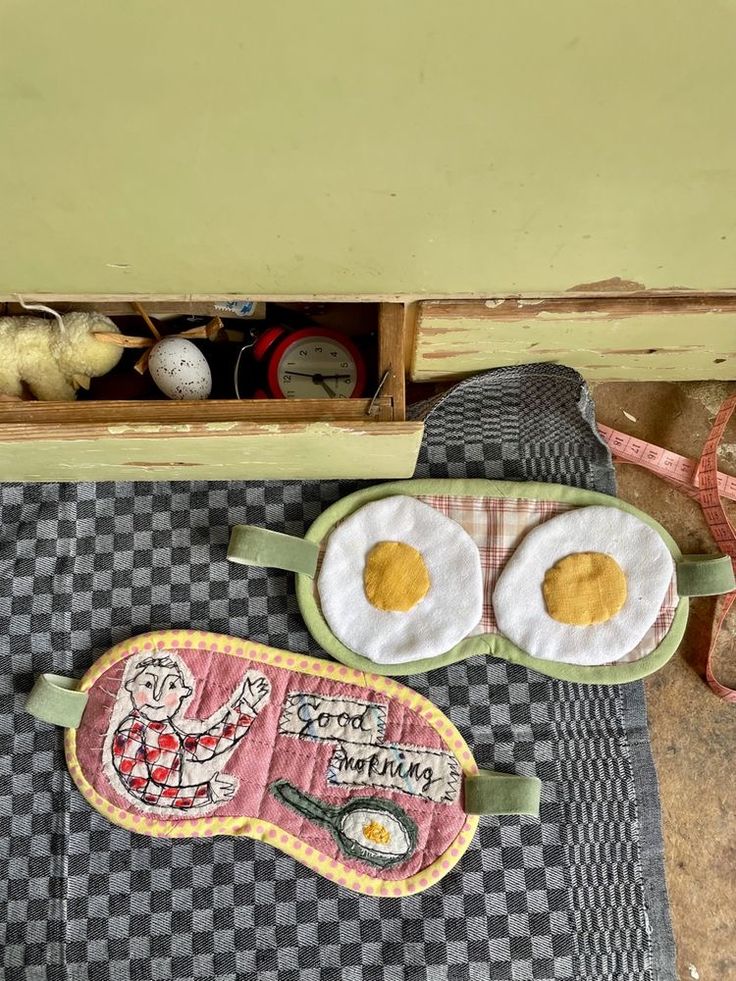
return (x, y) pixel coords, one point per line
(693, 732)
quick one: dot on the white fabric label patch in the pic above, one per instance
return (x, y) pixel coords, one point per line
(310, 716)
(362, 758)
(428, 773)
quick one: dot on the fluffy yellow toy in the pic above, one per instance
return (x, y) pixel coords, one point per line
(54, 361)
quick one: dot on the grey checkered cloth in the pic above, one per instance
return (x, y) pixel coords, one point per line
(577, 895)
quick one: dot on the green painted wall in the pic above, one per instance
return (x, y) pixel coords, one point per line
(441, 148)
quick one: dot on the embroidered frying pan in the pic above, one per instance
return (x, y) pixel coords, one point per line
(408, 576)
(188, 734)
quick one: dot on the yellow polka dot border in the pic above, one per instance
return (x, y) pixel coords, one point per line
(332, 869)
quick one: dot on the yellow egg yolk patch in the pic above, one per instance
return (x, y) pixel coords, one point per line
(376, 833)
(395, 577)
(584, 588)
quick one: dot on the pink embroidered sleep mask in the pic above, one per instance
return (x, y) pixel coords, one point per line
(413, 575)
(186, 733)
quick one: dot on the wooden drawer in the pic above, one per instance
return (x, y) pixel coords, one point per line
(643, 338)
(219, 440)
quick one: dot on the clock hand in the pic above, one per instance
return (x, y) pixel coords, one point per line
(315, 376)
(331, 392)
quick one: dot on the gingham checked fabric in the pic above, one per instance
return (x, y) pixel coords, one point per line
(149, 757)
(576, 895)
(497, 526)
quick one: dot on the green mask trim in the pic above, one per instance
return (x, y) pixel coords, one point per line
(251, 545)
(705, 575)
(489, 792)
(54, 698)
(710, 574)
(493, 645)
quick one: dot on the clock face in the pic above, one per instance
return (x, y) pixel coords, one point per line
(318, 367)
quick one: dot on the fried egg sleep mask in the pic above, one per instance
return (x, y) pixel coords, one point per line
(408, 576)
(189, 734)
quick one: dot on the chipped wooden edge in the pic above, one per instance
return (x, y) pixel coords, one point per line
(82, 430)
(622, 338)
(391, 361)
(165, 411)
(569, 308)
(603, 290)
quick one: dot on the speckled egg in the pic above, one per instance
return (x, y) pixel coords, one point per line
(180, 369)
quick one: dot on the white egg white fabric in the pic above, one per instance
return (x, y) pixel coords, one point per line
(518, 600)
(452, 607)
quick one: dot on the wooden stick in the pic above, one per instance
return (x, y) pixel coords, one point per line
(214, 328)
(122, 340)
(209, 331)
(391, 359)
(149, 323)
(141, 365)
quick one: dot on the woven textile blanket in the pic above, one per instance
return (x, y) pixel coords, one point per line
(579, 894)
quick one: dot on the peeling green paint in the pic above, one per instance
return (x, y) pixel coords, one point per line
(317, 451)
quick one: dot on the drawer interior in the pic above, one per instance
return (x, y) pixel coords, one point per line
(223, 438)
(376, 329)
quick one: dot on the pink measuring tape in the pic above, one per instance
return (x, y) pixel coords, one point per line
(699, 479)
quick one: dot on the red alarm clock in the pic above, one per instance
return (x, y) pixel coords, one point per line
(311, 363)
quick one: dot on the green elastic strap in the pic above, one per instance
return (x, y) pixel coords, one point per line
(54, 698)
(258, 546)
(705, 575)
(489, 792)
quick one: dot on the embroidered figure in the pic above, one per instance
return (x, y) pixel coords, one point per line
(159, 757)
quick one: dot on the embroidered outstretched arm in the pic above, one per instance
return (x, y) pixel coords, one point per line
(234, 724)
